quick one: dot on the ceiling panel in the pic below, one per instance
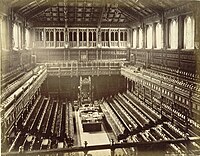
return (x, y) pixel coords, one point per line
(90, 12)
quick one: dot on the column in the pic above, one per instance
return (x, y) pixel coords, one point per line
(129, 37)
(109, 36)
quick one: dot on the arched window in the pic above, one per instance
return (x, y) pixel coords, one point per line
(112, 36)
(42, 35)
(62, 36)
(80, 36)
(173, 34)
(116, 36)
(107, 36)
(121, 36)
(57, 36)
(85, 36)
(158, 42)
(94, 36)
(51, 36)
(27, 37)
(125, 36)
(102, 36)
(15, 36)
(140, 43)
(90, 36)
(75, 36)
(149, 36)
(189, 32)
(134, 38)
(70, 36)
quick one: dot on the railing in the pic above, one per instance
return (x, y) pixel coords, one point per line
(49, 44)
(39, 44)
(83, 43)
(54, 44)
(123, 43)
(114, 43)
(105, 43)
(92, 43)
(104, 146)
(60, 43)
(72, 43)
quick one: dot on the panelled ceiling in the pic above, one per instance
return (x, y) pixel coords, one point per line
(89, 12)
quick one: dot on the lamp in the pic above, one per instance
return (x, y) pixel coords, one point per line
(66, 45)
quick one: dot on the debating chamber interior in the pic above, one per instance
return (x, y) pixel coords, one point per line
(100, 77)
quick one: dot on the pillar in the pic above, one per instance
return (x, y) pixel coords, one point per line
(109, 36)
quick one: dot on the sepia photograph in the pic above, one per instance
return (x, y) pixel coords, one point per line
(100, 77)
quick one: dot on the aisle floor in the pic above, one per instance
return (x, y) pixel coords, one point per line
(92, 138)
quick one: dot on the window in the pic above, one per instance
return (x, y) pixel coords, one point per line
(149, 37)
(90, 36)
(134, 38)
(85, 36)
(57, 36)
(70, 36)
(158, 39)
(121, 36)
(140, 38)
(107, 36)
(75, 36)
(94, 36)
(20, 35)
(4, 32)
(51, 36)
(173, 34)
(188, 32)
(112, 36)
(62, 36)
(116, 36)
(125, 37)
(27, 38)
(47, 36)
(80, 36)
(102, 36)
(15, 36)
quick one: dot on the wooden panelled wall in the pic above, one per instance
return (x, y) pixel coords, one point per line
(176, 59)
(55, 55)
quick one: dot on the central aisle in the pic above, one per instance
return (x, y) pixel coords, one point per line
(92, 138)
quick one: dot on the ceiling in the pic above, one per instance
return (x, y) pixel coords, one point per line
(89, 12)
